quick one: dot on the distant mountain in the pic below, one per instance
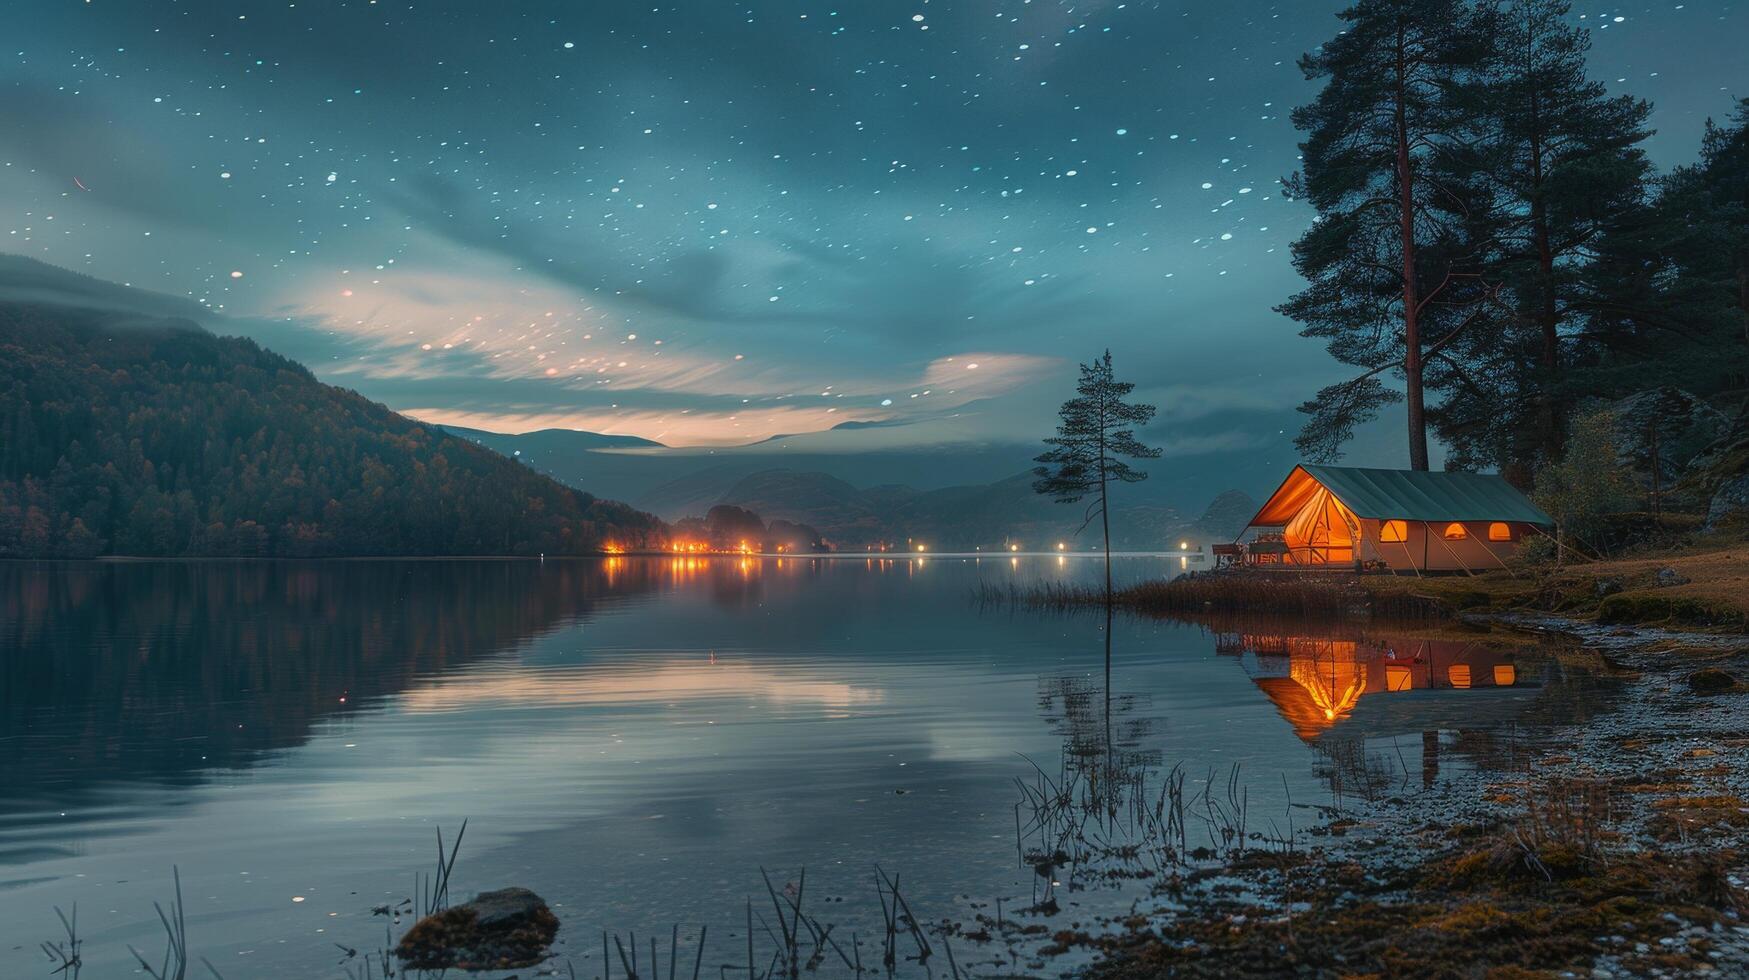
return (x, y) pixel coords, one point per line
(989, 516)
(26, 280)
(680, 482)
(549, 444)
(694, 493)
(841, 511)
(1227, 515)
(123, 433)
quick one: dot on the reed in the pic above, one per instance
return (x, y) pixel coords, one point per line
(1299, 594)
(434, 889)
(174, 965)
(924, 950)
(64, 953)
(801, 942)
(1561, 824)
(1132, 824)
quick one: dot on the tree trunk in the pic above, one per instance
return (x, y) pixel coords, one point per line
(1548, 317)
(1411, 295)
(1743, 292)
(1105, 530)
(1110, 744)
(1105, 515)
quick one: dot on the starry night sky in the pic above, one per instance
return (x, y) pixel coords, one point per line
(710, 222)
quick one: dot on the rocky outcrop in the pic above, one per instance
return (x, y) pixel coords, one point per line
(506, 929)
(1668, 426)
(1730, 502)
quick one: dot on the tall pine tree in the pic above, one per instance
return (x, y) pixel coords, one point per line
(1666, 298)
(1564, 168)
(1392, 261)
(1724, 172)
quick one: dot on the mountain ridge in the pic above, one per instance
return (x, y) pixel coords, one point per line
(129, 434)
(988, 516)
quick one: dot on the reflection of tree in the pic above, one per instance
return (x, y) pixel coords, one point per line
(1106, 816)
(1102, 738)
(160, 670)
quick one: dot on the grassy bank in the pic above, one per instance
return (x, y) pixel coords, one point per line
(1689, 589)
(1490, 904)
(1679, 589)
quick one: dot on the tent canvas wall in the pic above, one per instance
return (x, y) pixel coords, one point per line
(1404, 519)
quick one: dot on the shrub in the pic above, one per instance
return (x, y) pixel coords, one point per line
(1586, 485)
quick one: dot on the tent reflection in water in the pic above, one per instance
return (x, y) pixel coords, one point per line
(1400, 520)
(1318, 682)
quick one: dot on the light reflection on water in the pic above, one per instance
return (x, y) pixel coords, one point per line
(633, 737)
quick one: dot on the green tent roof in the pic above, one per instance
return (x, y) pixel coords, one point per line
(1418, 495)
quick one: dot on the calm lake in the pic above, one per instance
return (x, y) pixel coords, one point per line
(634, 738)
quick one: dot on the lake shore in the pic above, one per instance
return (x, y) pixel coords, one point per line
(1689, 590)
(1620, 847)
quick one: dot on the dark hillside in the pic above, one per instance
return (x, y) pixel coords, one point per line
(130, 435)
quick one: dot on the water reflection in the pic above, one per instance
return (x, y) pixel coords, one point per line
(162, 671)
(1318, 682)
(1108, 735)
(634, 737)
(1348, 692)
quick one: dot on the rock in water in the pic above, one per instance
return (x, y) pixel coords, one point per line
(500, 930)
(1711, 680)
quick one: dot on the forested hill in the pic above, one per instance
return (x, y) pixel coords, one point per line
(128, 436)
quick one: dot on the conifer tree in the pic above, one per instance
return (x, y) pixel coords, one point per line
(1391, 261)
(1666, 297)
(1095, 432)
(1724, 171)
(1563, 166)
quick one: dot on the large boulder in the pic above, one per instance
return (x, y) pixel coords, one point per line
(1730, 502)
(1667, 424)
(1730, 452)
(502, 930)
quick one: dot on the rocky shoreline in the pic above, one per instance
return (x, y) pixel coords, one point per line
(1620, 850)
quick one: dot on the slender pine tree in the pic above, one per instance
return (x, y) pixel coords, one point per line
(1095, 432)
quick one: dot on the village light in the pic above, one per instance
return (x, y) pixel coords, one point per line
(1014, 547)
(1061, 546)
(1184, 546)
(920, 548)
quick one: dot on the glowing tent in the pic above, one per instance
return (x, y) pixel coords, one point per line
(1407, 520)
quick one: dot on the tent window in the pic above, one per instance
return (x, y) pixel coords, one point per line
(1499, 531)
(1455, 532)
(1398, 678)
(1394, 531)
